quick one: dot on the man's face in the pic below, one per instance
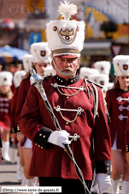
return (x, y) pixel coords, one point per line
(66, 65)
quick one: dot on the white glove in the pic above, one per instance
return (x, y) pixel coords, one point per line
(103, 181)
(59, 138)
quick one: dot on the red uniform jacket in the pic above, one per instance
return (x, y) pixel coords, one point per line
(118, 106)
(22, 92)
(13, 109)
(5, 121)
(53, 161)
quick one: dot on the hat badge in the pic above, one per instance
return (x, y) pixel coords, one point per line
(5, 79)
(102, 68)
(66, 33)
(125, 66)
(69, 35)
(102, 83)
(43, 53)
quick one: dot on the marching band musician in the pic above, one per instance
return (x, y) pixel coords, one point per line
(0, 150)
(117, 104)
(24, 86)
(72, 102)
(17, 78)
(40, 63)
(5, 102)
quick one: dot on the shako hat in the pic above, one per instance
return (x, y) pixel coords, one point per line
(85, 72)
(103, 67)
(65, 37)
(49, 71)
(18, 77)
(41, 52)
(101, 79)
(6, 78)
(27, 62)
(121, 65)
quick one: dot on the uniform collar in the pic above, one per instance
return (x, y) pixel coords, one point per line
(62, 81)
(124, 91)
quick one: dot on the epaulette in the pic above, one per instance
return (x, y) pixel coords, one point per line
(100, 86)
(47, 77)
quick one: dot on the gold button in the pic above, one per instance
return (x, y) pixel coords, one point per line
(107, 169)
(40, 134)
(107, 164)
(41, 147)
(44, 136)
(35, 143)
(67, 123)
(38, 145)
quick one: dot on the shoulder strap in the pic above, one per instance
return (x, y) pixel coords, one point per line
(95, 96)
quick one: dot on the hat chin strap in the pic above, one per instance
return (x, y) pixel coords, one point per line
(63, 73)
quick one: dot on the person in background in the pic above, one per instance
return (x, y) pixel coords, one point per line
(85, 72)
(0, 150)
(41, 60)
(17, 80)
(72, 103)
(5, 122)
(117, 104)
(22, 91)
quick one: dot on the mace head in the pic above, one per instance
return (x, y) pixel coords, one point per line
(35, 77)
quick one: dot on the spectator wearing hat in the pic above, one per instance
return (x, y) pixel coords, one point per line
(117, 104)
(66, 92)
(5, 122)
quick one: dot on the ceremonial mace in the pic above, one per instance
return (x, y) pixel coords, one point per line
(36, 80)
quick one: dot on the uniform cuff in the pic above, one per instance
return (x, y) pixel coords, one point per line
(41, 138)
(103, 166)
(127, 148)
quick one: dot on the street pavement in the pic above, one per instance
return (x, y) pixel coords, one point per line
(8, 172)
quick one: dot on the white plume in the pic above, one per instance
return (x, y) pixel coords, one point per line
(66, 9)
